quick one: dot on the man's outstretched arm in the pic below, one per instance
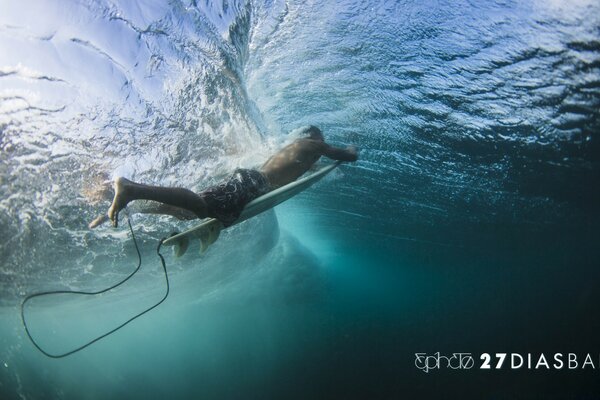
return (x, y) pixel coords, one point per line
(350, 153)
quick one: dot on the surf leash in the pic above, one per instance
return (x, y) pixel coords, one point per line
(95, 293)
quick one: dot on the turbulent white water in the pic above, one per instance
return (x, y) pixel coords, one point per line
(92, 90)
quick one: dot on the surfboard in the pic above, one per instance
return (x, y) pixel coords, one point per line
(208, 231)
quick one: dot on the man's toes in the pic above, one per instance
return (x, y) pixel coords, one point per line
(98, 221)
(113, 215)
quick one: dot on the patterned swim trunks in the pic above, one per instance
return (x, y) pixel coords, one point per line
(226, 200)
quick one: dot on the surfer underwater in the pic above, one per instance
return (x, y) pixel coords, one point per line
(226, 200)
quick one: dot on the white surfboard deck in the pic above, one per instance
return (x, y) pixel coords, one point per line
(208, 231)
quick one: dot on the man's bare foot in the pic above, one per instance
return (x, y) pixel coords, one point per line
(98, 221)
(120, 200)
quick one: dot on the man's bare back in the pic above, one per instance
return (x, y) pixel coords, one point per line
(225, 201)
(295, 159)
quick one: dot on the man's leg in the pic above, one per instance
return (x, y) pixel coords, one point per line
(127, 191)
(164, 209)
(151, 208)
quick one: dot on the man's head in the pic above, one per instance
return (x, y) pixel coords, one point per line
(314, 133)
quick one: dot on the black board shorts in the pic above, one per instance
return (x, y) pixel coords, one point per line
(226, 200)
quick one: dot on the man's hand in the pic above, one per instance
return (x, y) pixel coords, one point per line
(353, 152)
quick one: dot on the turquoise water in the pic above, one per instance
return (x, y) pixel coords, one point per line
(469, 224)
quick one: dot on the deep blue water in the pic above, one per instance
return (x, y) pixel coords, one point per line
(469, 224)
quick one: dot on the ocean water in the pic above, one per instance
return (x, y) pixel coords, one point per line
(470, 223)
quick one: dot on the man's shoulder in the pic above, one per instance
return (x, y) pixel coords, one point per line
(311, 144)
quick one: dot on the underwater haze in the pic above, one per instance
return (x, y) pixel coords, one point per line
(470, 223)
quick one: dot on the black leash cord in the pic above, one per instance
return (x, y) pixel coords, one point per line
(53, 292)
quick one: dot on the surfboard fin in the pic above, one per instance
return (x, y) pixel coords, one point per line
(181, 246)
(210, 236)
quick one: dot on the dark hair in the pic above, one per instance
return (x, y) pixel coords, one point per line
(314, 132)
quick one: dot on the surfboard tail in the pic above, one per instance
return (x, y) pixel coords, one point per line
(206, 237)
